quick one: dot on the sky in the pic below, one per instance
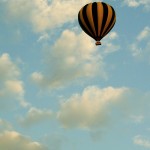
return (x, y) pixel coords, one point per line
(58, 91)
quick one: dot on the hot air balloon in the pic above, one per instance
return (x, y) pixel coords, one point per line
(97, 19)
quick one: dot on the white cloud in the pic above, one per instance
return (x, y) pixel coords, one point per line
(35, 116)
(37, 77)
(15, 86)
(112, 35)
(43, 37)
(140, 48)
(137, 3)
(144, 34)
(73, 56)
(10, 86)
(108, 44)
(141, 141)
(43, 15)
(15, 141)
(132, 3)
(7, 68)
(89, 109)
(136, 50)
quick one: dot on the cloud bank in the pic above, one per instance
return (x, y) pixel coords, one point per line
(44, 15)
(15, 141)
(90, 109)
(73, 56)
(10, 86)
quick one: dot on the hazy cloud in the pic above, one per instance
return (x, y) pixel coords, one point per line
(5, 125)
(73, 56)
(140, 48)
(144, 34)
(109, 44)
(10, 86)
(35, 115)
(141, 141)
(90, 108)
(96, 109)
(43, 37)
(137, 118)
(55, 141)
(43, 15)
(15, 141)
(137, 3)
(7, 68)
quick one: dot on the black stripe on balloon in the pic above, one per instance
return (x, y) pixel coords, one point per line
(82, 26)
(86, 20)
(95, 17)
(109, 29)
(105, 15)
(110, 23)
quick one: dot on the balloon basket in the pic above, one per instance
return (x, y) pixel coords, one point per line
(98, 43)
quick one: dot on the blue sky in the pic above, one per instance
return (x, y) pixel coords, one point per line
(58, 91)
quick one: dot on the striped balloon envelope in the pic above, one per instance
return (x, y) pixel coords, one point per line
(97, 19)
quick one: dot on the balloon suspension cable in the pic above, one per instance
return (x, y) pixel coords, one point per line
(98, 43)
